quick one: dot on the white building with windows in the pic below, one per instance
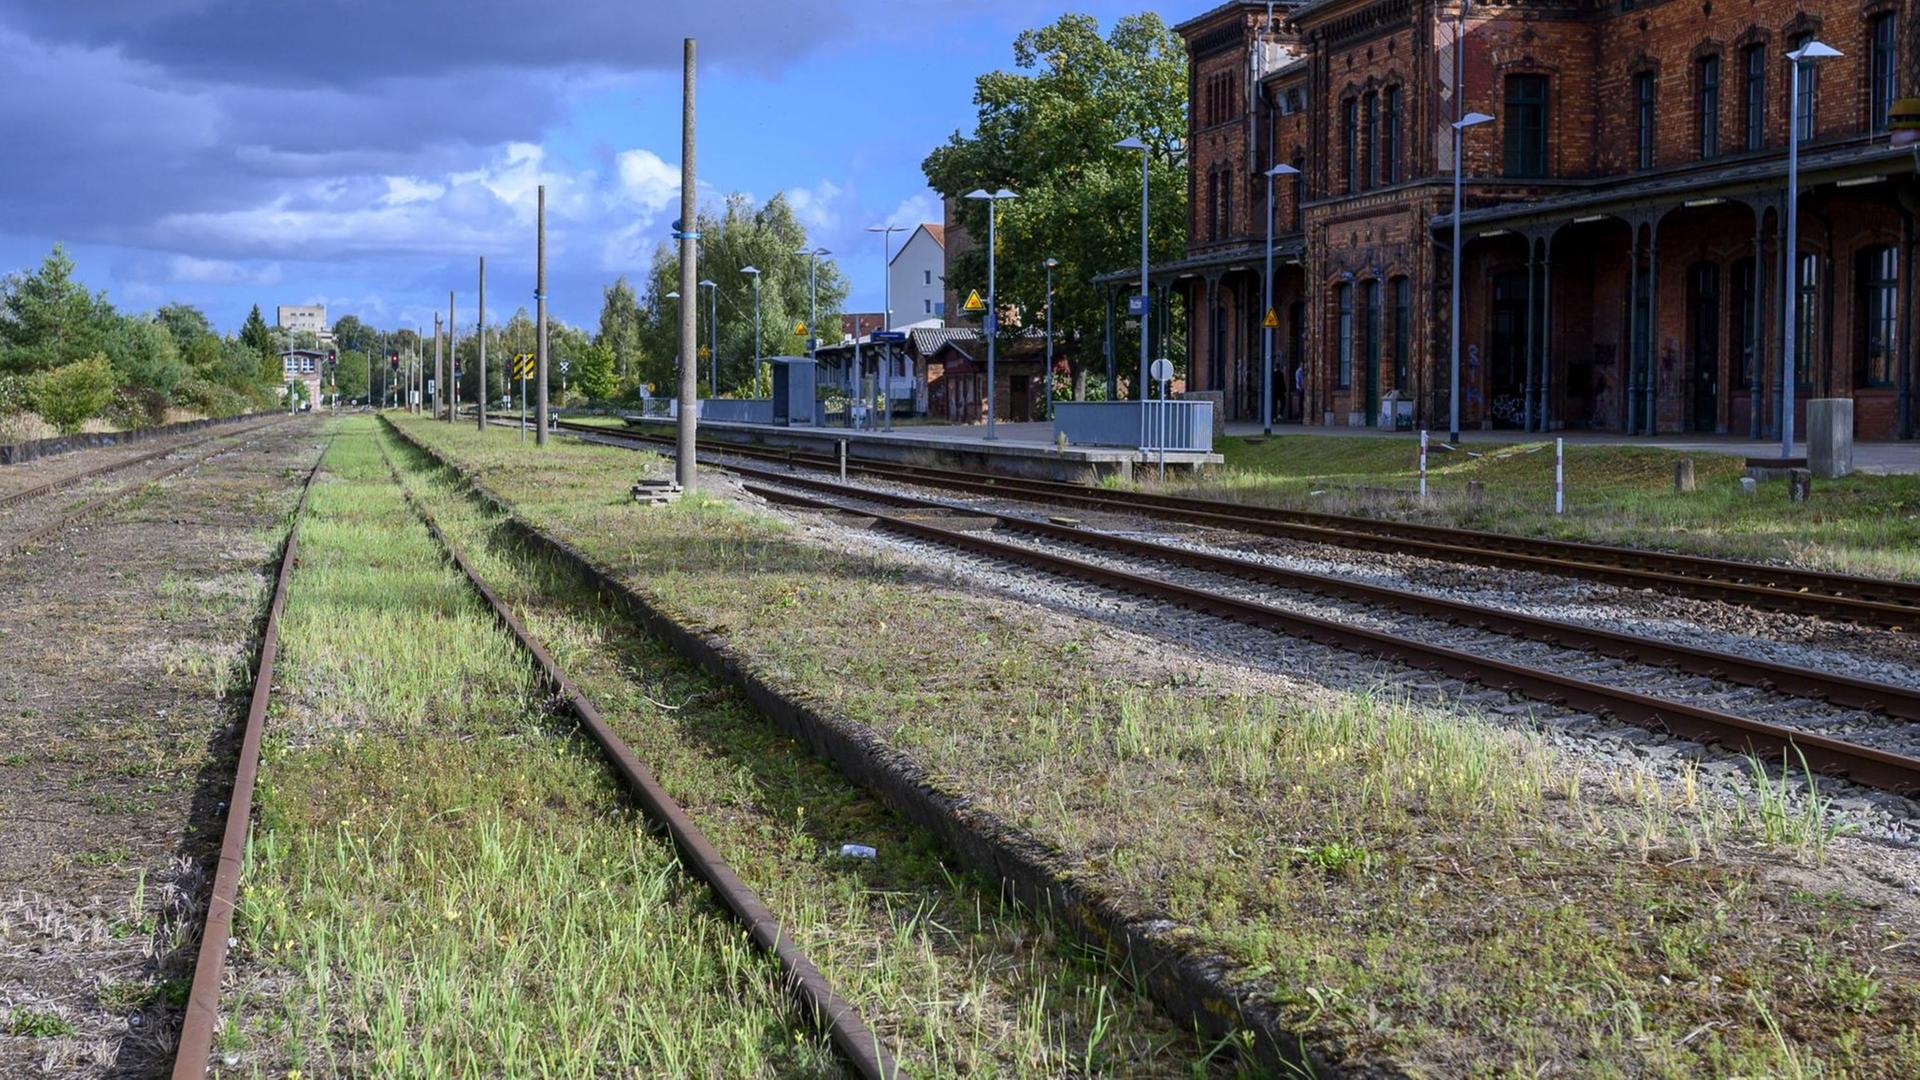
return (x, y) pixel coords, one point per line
(304, 318)
(917, 277)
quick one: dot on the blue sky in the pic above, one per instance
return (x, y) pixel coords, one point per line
(362, 154)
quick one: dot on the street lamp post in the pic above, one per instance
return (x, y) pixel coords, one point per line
(1802, 59)
(1051, 264)
(886, 308)
(1266, 332)
(754, 273)
(812, 255)
(713, 336)
(674, 295)
(1453, 323)
(1146, 309)
(992, 320)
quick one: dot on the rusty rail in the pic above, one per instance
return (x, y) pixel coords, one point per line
(850, 1035)
(203, 997)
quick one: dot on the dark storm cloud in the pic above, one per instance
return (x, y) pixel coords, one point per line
(348, 42)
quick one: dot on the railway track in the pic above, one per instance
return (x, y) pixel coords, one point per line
(849, 1035)
(1870, 601)
(1776, 742)
(72, 516)
(1833, 756)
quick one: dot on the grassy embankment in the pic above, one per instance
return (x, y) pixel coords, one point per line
(1405, 883)
(441, 880)
(1615, 494)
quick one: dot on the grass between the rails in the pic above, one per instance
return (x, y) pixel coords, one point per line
(954, 980)
(1405, 884)
(1615, 494)
(443, 882)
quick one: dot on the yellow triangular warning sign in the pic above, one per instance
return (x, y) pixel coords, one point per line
(974, 303)
(1272, 321)
(800, 328)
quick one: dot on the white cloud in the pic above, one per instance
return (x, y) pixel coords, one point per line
(820, 207)
(647, 181)
(405, 189)
(916, 209)
(187, 269)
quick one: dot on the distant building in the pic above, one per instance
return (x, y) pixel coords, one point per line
(859, 325)
(917, 277)
(304, 318)
(305, 365)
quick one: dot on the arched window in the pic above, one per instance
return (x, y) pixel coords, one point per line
(1343, 297)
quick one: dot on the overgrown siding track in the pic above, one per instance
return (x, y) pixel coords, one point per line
(203, 998)
(1872, 601)
(67, 518)
(1862, 763)
(815, 995)
(848, 1033)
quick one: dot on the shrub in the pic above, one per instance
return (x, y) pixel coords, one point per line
(67, 397)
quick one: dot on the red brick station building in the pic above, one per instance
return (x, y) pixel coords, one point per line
(1624, 211)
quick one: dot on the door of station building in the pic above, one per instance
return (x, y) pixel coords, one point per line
(1703, 330)
(1507, 359)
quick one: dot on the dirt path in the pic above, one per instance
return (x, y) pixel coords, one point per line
(125, 647)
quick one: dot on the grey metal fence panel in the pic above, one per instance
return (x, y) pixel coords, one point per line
(1172, 425)
(737, 410)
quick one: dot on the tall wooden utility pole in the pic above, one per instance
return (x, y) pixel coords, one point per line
(439, 379)
(689, 235)
(540, 318)
(480, 395)
(453, 360)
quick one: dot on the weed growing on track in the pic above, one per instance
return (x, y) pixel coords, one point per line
(441, 882)
(955, 980)
(1406, 884)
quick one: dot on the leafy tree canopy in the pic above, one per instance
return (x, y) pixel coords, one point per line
(1046, 131)
(765, 237)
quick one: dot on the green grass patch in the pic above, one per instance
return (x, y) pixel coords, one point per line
(36, 1024)
(1406, 883)
(1615, 494)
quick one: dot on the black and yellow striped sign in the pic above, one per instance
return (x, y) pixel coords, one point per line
(525, 365)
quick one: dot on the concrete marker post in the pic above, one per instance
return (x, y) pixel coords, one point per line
(1559, 476)
(1423, 464)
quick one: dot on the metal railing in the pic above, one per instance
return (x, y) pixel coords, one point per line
(1149, 425)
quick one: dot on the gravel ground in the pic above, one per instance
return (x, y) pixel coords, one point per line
(1876, 819)
(127, 641)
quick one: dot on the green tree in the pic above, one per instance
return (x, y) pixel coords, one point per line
(351, 374)
(70, 395)
(186, 324)
(143, 355)
(349, 333)
(1047, 131)
(620, 326)
(592, 372)
(48, 319)
(258, 336)
(764, 237)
